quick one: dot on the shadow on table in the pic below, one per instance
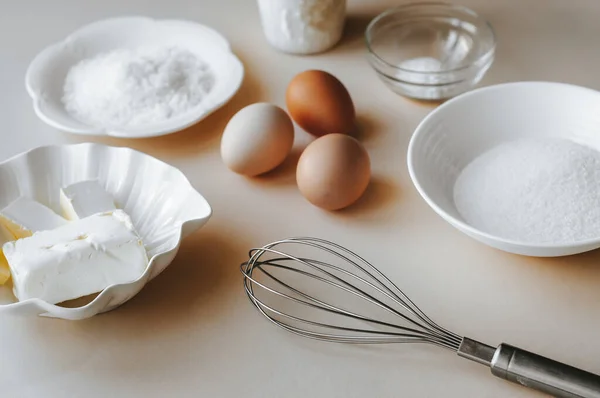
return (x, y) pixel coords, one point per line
(199, 285)
(586, 263)
(367, 128)
(353, 37)
(284, 174)
(379, 196)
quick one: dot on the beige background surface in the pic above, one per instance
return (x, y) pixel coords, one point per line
(192, 333)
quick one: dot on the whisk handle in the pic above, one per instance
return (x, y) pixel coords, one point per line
(543, 374)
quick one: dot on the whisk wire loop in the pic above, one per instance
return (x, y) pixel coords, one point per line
(351, 289)
(369, 278)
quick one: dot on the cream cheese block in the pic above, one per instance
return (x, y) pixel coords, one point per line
(84, 199)
(25, 216)
(77, 259)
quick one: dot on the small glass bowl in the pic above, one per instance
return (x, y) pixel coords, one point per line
(430, 51)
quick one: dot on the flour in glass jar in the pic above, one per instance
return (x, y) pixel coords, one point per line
(534, 191)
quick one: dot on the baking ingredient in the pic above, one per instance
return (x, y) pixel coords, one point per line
(535, 191)
(257, 139)
(77, 259)
(85, 198)
(136, 87)
(24, 216)
(4, 269)
(333, 171)
(421, 64)
(302, 26)
(320, 103)
(20, 219)
(426, 81)
(5, 236)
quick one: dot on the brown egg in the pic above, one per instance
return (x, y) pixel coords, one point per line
(320, 103)
(333, 171)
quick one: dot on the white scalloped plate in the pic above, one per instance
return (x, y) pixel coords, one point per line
(163, 206)
(47, 72)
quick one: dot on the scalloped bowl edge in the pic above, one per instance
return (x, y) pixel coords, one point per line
(114, 295)
(37, 66)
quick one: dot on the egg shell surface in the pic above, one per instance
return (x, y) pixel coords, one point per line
(257, 139)
(320, 103)
(333, 171)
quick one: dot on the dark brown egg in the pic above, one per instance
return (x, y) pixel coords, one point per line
(319, 103)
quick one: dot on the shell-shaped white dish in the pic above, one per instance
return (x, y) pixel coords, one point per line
(46, 74)
(460, 130)
(163, 206)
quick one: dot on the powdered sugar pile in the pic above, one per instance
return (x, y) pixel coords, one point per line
(135, 87)
(536, 191)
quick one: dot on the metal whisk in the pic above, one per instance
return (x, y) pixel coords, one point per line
(284, 287)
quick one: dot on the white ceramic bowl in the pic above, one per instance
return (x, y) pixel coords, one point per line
(47, 72)
(163, 206)
(463, 128)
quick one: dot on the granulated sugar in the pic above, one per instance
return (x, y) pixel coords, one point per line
(536, 191)
(136, 87)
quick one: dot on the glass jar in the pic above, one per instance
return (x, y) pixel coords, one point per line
(302, 26)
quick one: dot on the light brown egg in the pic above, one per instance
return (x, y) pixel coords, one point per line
(333, 171)
(257, 139)
(320, 103)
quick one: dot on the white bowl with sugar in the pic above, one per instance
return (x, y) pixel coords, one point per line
(133, 77)
(515, 166)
